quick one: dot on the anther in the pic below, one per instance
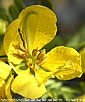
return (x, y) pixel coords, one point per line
(34, 52)
(29, 62)
(41, 54)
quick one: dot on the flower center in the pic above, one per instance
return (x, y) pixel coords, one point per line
(34, 60)
(37, 59)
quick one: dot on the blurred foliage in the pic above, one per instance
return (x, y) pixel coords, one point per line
(56, 89)
(4, 16)
(13, 11)
(82, 86)
(19, 4)
(3, 25)
(47, 3)
(77, 41)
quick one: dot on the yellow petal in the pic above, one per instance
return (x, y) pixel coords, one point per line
(7, 88)
(27, 86)
(67, 72)
(12, 57)
(11, 34)
(42, 76)
(82, 53)
(12, 38)
(41, 29)
(57, 59)
(2, 88)
(4, 70)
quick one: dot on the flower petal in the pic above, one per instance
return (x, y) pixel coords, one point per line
(12, 57)
(2, 88)
(11, 34)
(12, 38)
(67, 72)
(82, 53)
(41, 29)
(27, 86)
(66, 61)
(4, 70)
(7, 88)
(43, 76)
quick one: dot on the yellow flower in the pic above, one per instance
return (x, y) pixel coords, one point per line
(5, 93)
(24, 41)
(82, 53)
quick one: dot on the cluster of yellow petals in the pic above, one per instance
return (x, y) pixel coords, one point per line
(5, 86)
(34, 67)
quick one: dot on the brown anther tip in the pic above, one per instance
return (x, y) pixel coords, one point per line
(34, 52)
(30, 64)
(39, 84)
(41, 54)
(42, 60)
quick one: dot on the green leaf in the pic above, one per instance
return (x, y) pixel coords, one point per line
(56, 86)
(13, 10)
(67, 89)
(4, 16)
(45, 96)
(68, 96)
(49, 82)
(19, 4)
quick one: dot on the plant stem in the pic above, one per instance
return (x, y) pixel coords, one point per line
(26, 29)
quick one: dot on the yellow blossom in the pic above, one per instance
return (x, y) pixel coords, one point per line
(5, 93)
(23, 42)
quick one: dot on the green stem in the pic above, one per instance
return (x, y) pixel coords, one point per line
(26, 28)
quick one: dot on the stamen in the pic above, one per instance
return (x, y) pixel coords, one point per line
(34, 52)
(20, 47)
(29, 62)
(21, 54)
(41, 58)
(20, 51)
(42, 61)
(41, 54)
